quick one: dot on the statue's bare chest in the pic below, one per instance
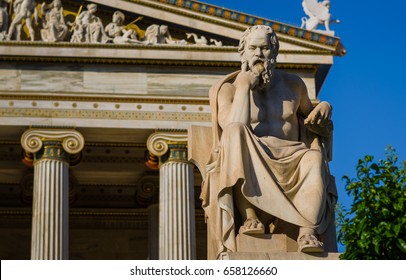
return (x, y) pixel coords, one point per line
(276, 106)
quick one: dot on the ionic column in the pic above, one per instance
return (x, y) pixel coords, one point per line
(50, 214)
(177, 235)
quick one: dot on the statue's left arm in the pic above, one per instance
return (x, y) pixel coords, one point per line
(317, 119)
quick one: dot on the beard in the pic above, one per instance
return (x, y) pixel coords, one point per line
(264, 68)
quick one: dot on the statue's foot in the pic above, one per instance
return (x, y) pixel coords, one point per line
(308, 243)
(252, 226)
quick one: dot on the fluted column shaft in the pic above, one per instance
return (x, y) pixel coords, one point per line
(177, 234)
(50, 214)
(176, 212)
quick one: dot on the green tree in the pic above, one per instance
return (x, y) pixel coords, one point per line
(375, 226)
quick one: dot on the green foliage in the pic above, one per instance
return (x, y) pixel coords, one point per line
(375, 226)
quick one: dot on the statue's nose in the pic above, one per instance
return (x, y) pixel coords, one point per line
(258, 52)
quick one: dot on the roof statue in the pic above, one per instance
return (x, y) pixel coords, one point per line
(318, 13)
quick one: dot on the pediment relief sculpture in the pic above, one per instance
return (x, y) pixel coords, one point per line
(120, 33)
(3, 19)
(53, 21)
(24, 12)
(88, 28)
(84, 26)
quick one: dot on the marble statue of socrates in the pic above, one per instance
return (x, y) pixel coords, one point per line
(269, 159)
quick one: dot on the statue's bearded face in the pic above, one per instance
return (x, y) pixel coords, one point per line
(258, 56)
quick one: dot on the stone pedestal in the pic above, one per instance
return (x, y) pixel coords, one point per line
(50, 214)
(279, 256)
(266, 243)
(177, 239)
(272, 247)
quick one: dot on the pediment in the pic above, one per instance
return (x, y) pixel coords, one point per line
(193, 27)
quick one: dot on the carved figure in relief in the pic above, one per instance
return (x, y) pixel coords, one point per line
(3, 19)
(318, 13)
(269, 161)
(89, 28)
(216, 42)
(54, 26)
(23, 10)
(200, 41)
(118, 31)
(159, 34)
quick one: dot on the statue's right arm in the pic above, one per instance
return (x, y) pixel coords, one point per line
(233, 104)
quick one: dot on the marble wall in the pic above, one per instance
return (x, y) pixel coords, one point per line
(107, 80)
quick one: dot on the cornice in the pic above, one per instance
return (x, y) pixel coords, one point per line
(209, 48)
(63, 58)
(100, 60)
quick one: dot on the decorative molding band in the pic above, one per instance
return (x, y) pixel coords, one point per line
(135, 61)
(158, 142)
(143, 100)
(100, 60)
(87, 144)
(211, 48)
(101, 114)
(33, 139)
(139, 213)
(79, 212)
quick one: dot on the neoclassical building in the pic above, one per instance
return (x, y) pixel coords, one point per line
(94, 123)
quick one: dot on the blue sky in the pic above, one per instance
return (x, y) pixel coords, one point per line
(365, 87)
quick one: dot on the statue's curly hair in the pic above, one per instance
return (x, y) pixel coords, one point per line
(272, 39)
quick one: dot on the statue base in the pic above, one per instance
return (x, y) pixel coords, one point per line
(272, 247)
(278, 256)
(272, 243)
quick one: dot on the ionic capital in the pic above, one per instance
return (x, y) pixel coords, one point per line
(71, 140)
(158, 142)
(168, 146)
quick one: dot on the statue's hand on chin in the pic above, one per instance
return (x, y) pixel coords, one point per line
(258, 70)
(247, 78)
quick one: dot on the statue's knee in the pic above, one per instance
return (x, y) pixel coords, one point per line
(314, 156)
(313, 159)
